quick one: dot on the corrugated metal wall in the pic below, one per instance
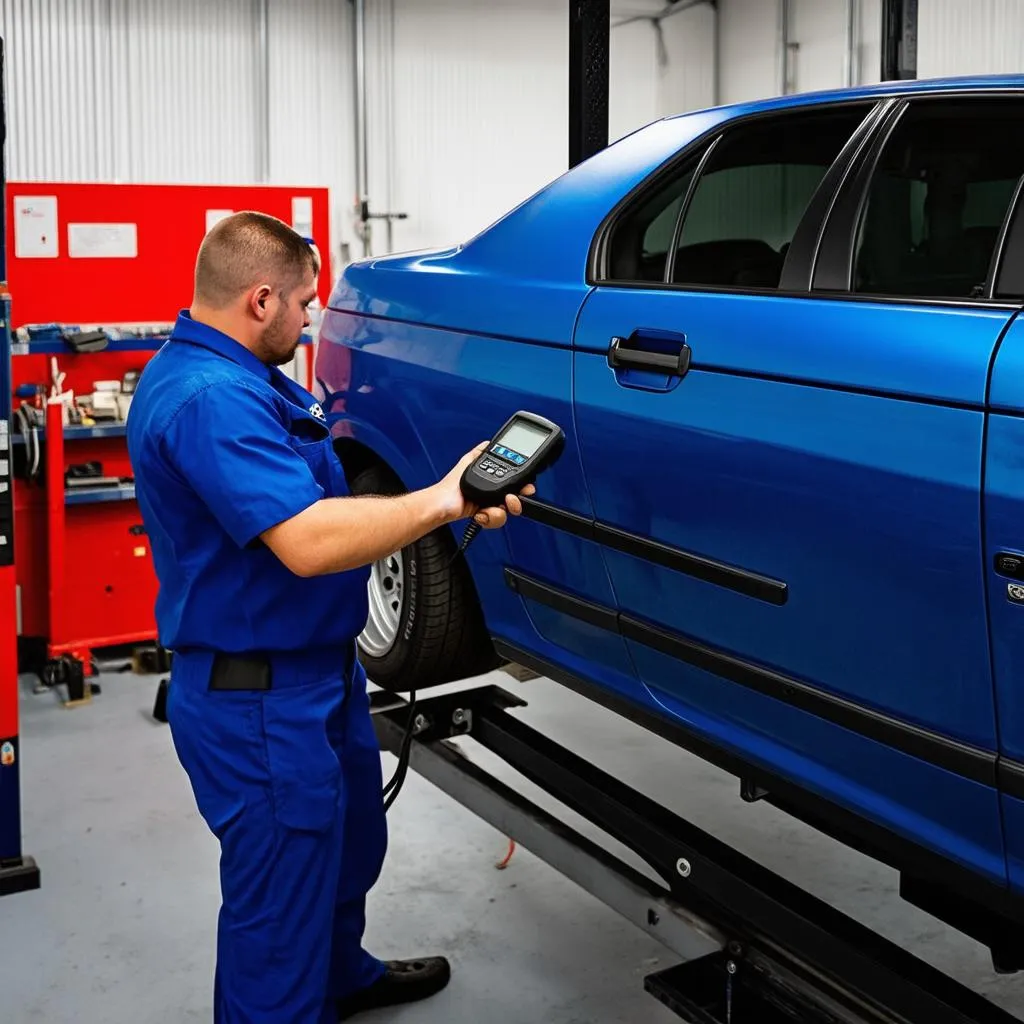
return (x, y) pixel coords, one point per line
(130, 90)
(960, 38)
(311, 120)
(467, 98)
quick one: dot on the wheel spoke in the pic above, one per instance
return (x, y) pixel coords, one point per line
(385, 593)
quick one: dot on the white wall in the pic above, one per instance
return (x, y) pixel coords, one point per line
(750, 33)
(481, 107)
(662, 68)
(468, 99)
(749, 61)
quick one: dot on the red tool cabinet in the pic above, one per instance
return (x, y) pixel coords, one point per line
(83, 566)
(84, 572)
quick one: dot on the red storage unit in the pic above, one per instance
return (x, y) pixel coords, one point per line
(84, 570)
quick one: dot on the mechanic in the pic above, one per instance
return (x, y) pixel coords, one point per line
(262, 557)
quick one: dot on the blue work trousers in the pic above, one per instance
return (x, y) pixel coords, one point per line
(289, 780)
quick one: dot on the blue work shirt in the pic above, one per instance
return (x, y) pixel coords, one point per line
(224, 447)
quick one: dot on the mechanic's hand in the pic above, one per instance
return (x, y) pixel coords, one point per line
(456, 506)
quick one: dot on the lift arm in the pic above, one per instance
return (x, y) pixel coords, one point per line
(754, 946)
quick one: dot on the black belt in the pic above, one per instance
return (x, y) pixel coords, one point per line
(267, 671)
(241, 672)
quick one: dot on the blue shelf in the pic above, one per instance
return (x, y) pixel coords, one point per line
(92, 495)
(57, 347)
(75, 432)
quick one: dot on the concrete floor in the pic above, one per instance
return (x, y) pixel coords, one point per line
(122, 931)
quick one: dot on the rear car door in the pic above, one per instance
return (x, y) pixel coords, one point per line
(781, 431)
(1004, 540)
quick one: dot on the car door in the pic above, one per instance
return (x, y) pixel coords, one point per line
(786, 478)
(1004, 539)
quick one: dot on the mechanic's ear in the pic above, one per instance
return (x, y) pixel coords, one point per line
(259, 300)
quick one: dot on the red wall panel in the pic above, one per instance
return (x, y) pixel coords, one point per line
(157, 283)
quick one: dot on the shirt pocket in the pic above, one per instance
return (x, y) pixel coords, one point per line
(306, 780)
(324, 464)
(315, 455)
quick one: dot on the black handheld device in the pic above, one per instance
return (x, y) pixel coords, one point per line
(525, 446)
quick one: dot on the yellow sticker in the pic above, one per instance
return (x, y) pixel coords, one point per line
(140, 552)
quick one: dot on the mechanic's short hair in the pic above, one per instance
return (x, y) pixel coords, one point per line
(246, 249)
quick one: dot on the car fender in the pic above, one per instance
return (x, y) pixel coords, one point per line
(413, 474)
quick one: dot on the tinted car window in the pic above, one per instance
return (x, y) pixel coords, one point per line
(640, 241)
(752, 194)
(937, 200)
(743, 211)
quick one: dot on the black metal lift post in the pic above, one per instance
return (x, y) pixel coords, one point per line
(589, 44)
(899, 40)
(753, 947)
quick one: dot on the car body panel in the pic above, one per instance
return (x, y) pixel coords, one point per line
(1004, 534)
(949, 814)
(866, 506)
(1013, 828)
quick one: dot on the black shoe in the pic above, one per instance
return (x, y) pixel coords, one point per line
(404, 981)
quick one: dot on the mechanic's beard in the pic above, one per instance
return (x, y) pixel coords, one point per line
(278, 349)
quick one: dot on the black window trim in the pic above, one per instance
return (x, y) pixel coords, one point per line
(882, 103)
(798, 269)
(832, 263)
(1011, 241)
(834, 258)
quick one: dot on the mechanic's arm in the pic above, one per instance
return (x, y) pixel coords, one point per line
(335, 534)
(229, 444)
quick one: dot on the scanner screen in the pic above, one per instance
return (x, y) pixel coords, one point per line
(523, 437)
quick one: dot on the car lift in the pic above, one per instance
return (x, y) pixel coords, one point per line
(755, 949)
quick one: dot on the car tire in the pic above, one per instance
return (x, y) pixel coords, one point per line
(425, 625)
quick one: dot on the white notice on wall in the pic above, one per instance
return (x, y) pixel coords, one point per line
(111, 241)
(302, 215)
(35, 227)
(213, 216)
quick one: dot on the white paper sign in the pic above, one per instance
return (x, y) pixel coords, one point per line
(35, 227)
(109, 241)
(213, 216)
(302, 215)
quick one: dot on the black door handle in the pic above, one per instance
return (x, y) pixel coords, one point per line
(675, 363)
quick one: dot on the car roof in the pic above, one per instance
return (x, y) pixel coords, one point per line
(546, 239)
(878, 90)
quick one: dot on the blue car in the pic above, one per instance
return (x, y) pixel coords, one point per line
(787, 529)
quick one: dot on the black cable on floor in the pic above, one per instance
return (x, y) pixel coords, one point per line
(394, 786)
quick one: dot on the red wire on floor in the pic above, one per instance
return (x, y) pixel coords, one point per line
(502, 864)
